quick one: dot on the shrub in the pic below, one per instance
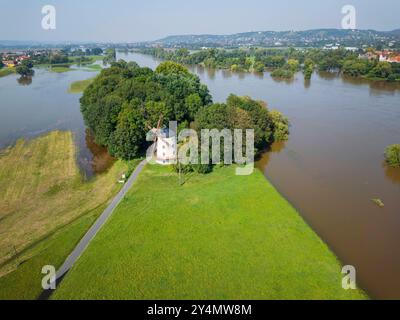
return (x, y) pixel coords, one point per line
(392, 155)
(282, 73)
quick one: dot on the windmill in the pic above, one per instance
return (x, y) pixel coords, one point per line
(164, 147)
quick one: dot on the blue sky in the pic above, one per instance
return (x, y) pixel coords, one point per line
(134, 20)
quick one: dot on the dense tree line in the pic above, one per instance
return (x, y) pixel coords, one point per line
(51, 58)
(65, 57)
(284, 63)
(125, 99)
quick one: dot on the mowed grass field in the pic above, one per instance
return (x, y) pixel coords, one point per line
(219, 236)
(45, 208)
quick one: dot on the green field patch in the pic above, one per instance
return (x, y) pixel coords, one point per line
(80, 86)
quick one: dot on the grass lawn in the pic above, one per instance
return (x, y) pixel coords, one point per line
(219, 236)
(60, 69)
(45, 208)
(80, 86)
(94, 67)
(91, 59)
(6, 71)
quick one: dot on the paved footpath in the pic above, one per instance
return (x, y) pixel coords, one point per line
(83, 244)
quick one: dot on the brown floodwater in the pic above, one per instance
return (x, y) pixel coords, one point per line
(333, 164)
(101, 160)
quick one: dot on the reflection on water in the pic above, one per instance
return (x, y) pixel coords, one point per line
(393, 174)
(328, 75)
(307, 83)
(25, 81)
(377, 85)
(101, 160)
(259, 75)
(276, 147)
(283, 80)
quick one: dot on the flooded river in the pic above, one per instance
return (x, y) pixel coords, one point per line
(330, 169)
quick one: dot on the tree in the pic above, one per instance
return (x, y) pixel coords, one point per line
(96, 51)
(28, 63)
(281, 126)
(128, 139)
(355, 67)
(308, 69)
(381, 70)
(293, 65)
(259, 115)
(259, 67)
(282, 73)
(125, 99)
(170, 67)
(193, 103)
(25, 68)
(125, 92)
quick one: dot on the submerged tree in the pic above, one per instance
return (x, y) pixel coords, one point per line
(392, 155)
(25, 68)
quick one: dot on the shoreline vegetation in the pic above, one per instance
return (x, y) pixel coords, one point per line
(218, 236)
(283, 63)
(46, 207)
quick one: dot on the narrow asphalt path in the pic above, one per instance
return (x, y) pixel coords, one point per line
(83, 244)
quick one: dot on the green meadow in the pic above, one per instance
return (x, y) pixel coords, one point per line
(79, 86)
(218, 236)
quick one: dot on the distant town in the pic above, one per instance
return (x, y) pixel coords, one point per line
(358, 53)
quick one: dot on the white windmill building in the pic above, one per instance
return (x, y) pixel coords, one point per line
(165, 145)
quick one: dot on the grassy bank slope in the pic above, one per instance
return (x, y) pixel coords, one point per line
(45, 208)
(219, 236)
